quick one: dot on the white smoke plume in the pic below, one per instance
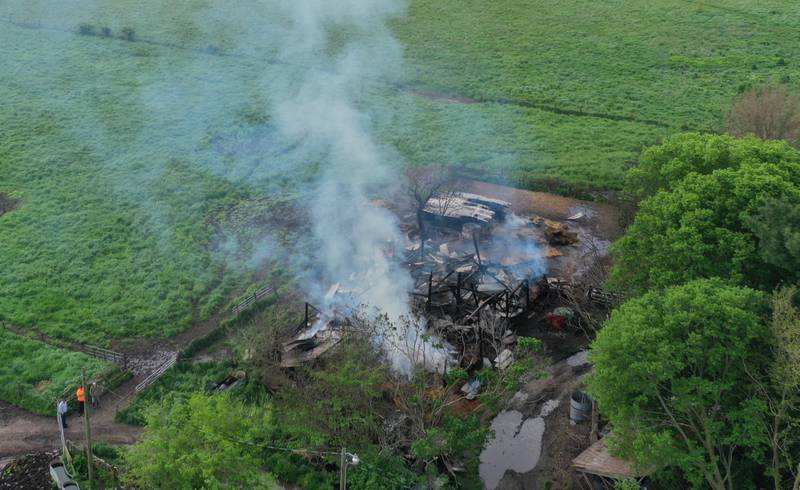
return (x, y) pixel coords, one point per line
(330, 48)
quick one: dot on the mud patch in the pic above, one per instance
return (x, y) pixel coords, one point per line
(28, 472)
(7, 204)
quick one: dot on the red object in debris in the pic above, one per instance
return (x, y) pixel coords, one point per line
(556, 321)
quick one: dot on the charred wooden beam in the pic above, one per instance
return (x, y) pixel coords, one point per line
(430, 292)
(458, 289)
(477, 250)
(485, 302)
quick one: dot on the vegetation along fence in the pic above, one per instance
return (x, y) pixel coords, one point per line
(251, 300)
(152, 377)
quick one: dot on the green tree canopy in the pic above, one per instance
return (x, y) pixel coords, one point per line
(202, 442)
(777, 227)
(664, 166)
(781, 390)
(700, 228)
(672, 373)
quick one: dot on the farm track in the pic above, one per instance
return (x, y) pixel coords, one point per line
(22, 432)
(440, 95)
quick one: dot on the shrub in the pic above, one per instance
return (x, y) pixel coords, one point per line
(769, 112)
(128, 34)
(86, 30)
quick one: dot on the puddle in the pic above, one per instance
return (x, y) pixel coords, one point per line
(517, 444)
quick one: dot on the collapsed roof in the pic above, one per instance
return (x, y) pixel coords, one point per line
(462, 207)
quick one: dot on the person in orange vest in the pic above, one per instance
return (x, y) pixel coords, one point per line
(80, 394)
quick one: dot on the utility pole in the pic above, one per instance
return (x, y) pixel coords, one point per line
(86, 407)
(343, 471)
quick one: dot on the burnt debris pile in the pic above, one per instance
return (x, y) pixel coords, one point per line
(479, 273)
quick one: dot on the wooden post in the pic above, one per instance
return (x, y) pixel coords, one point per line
(343, 471)
(430, 291)
(527, 294)
(458, 289)
(475, 296)
(480, 339)
(86, 407)
(477, 251)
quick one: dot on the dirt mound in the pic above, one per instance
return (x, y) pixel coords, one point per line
(28, 472)
(7, 204)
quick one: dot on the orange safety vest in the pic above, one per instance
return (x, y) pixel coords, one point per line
(80, 394)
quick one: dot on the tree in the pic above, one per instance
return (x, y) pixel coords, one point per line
(699, 228)
(663, 166)
(782, 391)
(423, 184)
(769, 112)
(202, 442)
(671, 375)
(777, 226)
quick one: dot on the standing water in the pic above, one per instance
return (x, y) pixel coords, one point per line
(516, 446)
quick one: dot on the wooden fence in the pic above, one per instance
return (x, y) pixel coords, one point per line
(252, 299)
(111, 356)
(152, 377)
(605, 297)
(117, 358)
(596, 295)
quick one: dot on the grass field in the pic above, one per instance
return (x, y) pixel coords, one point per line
(568, 91)
(36, 379)
(123, 155)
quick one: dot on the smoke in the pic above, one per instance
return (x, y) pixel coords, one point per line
(303, 92)
(330, 48)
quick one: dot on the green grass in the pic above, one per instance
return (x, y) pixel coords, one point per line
(126, 157)
(584, 84)
(34, 375)
(675, 62)
(111, 237)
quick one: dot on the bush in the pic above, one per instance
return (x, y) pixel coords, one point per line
(128, 34)
(86, 30)
(202, 442)
(176, 385)
(769, 112)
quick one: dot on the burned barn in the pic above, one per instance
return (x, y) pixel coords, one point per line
(478, 275)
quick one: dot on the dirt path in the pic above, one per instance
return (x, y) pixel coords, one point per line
(22, 432)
